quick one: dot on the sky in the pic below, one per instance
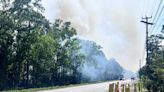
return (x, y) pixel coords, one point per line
(113, 24)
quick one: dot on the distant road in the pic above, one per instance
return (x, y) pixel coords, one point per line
(99, 87)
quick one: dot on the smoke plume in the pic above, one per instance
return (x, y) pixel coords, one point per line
(96, 66)
(112, 23)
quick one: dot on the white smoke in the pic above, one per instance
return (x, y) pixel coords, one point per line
(96, 66)
(112, 23)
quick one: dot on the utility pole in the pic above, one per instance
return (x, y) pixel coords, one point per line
(147, 32)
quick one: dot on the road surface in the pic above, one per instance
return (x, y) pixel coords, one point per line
(99, 87)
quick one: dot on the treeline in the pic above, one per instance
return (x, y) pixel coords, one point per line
(37, 53)
(152, 74)
(34, 52)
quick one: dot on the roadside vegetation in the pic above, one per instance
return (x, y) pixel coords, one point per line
(152, 74)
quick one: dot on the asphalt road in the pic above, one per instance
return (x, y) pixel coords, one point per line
(99, 87)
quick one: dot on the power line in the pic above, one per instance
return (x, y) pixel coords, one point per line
(158, 17)
(156, 22)
(154, 6)
(160, 24)
(157, 12)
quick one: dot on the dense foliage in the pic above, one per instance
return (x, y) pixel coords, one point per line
(152, 74)
(36, 53)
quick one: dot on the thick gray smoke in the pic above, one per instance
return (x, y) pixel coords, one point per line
(96, 66)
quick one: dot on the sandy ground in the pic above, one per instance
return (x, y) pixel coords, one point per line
(99, 87)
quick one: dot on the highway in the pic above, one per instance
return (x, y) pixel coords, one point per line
(98, 87)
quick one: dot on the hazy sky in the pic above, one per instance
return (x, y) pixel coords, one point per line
(113, 24)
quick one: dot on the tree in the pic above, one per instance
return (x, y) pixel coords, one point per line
(28, 18)
(43, 59)
(152, 72)
(19, 18)
(67, 47)
(6, 46)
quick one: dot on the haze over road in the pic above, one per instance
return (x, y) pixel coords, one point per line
(99, 87)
